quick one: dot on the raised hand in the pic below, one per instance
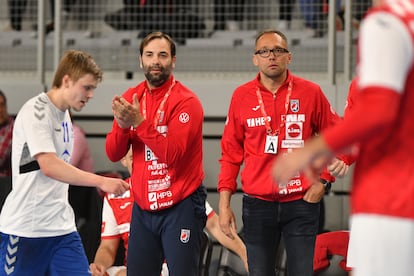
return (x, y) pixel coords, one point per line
(126, 114)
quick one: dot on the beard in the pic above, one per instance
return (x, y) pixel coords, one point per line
(159, 78)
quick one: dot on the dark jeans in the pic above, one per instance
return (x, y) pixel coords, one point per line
(265, 223)
(285, 9)
(173, 234)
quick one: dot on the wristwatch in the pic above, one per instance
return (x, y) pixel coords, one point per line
(326, 184)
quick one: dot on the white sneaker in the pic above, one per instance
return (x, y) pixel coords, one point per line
(232, 26)
(284, 25)
(8, 28)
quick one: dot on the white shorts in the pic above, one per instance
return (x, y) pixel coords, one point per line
(381, 246)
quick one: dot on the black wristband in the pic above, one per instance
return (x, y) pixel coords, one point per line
(327, 184)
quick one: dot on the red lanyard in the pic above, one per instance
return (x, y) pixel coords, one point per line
(159, 116)
(264, 114)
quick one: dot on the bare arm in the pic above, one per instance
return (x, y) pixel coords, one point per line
(236, 244)
(56, 168)
(105, 256)
(226, 218)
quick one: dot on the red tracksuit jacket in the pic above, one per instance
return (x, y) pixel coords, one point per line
(305, 113)
(167, 155)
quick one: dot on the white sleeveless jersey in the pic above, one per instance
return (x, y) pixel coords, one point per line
(38, 206)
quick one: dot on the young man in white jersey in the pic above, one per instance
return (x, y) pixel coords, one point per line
(37, 223)
(116, 217)
(381, 124)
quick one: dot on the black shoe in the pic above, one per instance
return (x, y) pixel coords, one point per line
(50, 27)
(219, 26)
(318, 34)
(114, 20)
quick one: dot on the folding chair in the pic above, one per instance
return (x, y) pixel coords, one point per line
(331, 250)
(230, 264)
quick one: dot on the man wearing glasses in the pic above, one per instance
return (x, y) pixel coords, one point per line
(269, 116)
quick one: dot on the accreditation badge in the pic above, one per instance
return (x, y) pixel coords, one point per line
(271, 144)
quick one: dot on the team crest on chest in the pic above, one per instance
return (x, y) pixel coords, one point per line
(294, 105)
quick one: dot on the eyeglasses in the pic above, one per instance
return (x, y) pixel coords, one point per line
(278, 51)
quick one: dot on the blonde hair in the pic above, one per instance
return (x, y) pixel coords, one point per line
(76, 64)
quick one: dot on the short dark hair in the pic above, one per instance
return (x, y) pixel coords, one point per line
(271, 31)
(157, 35)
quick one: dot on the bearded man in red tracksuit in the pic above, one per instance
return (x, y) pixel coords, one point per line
(162, 120)
(381, 124)
(268, 116)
